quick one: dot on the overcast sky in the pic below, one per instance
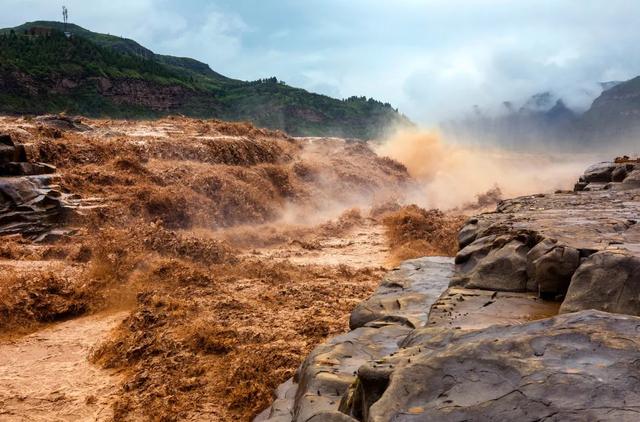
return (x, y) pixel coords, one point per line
(431, 58)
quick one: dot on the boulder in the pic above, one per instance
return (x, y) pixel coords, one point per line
(550, 267)
(576, 367)
(62, 122)
(607, 281)
(494, 263)
(599, 173)
(468, 233)
(633, 178)
(620, 172)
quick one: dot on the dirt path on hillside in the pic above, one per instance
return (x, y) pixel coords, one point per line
(46, 376)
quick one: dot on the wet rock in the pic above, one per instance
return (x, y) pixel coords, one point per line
(405, 293)
(550, 267)
(327, 374)
(61, 122)
(607, 281)
(14, 160)
(30, 203)
(620, 172)
(574, 367)
(29, 206)
(633, 178)
(468, 233)
(599, 173)
(496, 263)
(474, 309)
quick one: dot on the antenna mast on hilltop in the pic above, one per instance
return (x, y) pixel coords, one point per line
(65, 17)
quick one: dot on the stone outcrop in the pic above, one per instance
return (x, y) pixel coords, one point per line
(623, 173)
(404, 293)
(62, 122)
(536, 243)
(539, 322)
(379, 326)
(492, 262)
(607, 281)
(550, 267)
(31, 203)
(575, 367)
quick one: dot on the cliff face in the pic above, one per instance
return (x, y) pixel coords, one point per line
(616, 113)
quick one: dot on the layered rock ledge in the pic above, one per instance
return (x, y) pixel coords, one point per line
(32, 204)
(535, 319)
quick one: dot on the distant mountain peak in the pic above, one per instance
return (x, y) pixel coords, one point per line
(540, 102)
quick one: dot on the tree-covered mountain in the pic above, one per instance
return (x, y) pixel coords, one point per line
(43, 71)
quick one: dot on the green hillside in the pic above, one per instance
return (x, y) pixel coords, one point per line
(99, 75)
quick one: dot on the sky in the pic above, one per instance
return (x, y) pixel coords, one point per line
(433, 59)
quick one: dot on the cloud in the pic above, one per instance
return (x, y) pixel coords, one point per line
(216, 39)
(432, 59)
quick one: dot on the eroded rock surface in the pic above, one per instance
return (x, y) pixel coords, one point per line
(607, 281)
(536, 243)
(380, 324)
(31, 202)
(622, 173)
(405, 293)
(62, 122)
(466, 309)
(575, 367)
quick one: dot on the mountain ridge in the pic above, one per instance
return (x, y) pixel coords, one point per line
(544, 119)
(101, 75)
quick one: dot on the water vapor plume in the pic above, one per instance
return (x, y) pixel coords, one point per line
(455, 176)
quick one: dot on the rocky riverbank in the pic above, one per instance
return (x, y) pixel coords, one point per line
(535, 319)
(32, 203)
